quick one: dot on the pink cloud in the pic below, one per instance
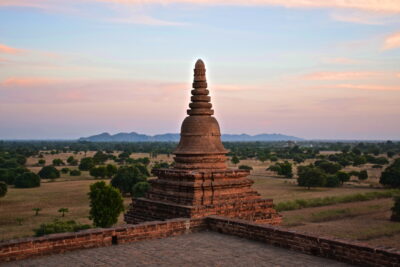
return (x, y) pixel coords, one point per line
(27, 82)
(369, 87)
(341, 60)
(392, 41)
(341, 75)
(387, 6)
(9, 50)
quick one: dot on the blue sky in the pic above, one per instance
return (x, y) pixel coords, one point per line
(314, 69)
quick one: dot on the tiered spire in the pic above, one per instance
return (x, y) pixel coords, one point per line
(200, 105)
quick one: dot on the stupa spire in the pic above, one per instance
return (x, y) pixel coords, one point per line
(200, 105)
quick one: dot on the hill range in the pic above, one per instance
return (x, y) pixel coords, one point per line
(174, 137)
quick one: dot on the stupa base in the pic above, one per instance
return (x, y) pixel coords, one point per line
(255, 210)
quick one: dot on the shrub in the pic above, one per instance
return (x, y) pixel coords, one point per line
(41, 162)
(58, 226)
(396, 209)
(86, 164)
(245, 167)
(140, 189)
(3, 189)
(75, 173)
(49, 172)
(27, 180)
(106, 204)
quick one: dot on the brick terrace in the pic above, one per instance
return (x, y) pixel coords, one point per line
(196, 249)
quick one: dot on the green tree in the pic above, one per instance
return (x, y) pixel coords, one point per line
(140, 189)
(36, 210)
(27, 180)
(127, 177)
(58, 162)
(311, 176)
(100, 157)
(363, 175)
(97, 172)
(235, 160)
(3, 189)
(343, 176)
(63, 211)
(41, 162)
(86, 164)
(111, 170)
(106, 204)
(49, 172)
(65, 170)
(328, 167)
(70, 159)
(245, 167)
(332, 181)
(75, 173)
(396, 209)
(391, 175)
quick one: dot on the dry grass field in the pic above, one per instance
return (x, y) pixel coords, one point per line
(367, 221)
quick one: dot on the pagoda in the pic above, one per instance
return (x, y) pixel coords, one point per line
(199, 184)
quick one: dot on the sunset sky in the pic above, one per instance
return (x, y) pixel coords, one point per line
(315, 69)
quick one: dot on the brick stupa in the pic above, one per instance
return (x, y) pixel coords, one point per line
(200, 184)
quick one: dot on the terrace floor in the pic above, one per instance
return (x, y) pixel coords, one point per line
(197, 249)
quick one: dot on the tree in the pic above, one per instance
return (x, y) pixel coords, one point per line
(140, 189)
(58, 162)
(106, 204)
(27, 180)
(75, 173)
(396, 209)
(3, 189)
(41, 162)
(97, 172)
(63, 211)
(390, 154)
(86, 164)
(284, 169)
(126, 178)
(70, 159)
(36, 210)
(363, 175)
(235, 160)
(311, 176)
(245, 167)
(100, 157)
(65, 170)
(49, 172)
(343, 176)
(391, 175)
(332, 181)
(328, 167)
(111, 170)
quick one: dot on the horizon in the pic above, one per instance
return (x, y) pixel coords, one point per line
(315, 70)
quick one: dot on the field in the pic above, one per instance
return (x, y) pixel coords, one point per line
(367, 221)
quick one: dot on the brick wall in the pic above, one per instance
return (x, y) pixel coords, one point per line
(350, 252)
(339, 250)
(59, 243)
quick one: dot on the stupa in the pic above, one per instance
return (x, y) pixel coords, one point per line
(200, 183)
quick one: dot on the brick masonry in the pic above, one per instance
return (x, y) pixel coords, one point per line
(340, 250)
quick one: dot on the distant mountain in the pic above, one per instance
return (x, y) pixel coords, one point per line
(171, 137)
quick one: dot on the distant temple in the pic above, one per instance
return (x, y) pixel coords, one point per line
(200, 184)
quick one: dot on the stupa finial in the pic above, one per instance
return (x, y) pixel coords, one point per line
(200, 100)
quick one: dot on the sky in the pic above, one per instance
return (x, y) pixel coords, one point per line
(315, 69)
